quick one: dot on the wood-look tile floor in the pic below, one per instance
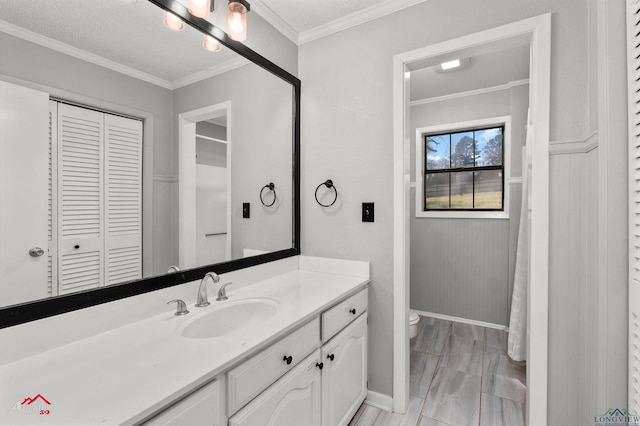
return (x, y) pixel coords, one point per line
(460, 375)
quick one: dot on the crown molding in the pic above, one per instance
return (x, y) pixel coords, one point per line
(365, 15)
(58, 46)
(210, 72)
(259, 7)
(66, 49)
(475, 92)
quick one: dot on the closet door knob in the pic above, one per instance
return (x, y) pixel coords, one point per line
(288, 359)
(353, 311)
(331, 356)
(36, 252)
(320, 365)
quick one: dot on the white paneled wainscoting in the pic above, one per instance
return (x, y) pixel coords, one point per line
(573, 261)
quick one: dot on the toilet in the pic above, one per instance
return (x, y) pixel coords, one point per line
(414, 319)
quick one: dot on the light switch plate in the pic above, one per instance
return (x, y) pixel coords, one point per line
(367, 212)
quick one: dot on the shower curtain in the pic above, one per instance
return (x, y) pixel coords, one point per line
(517, 343)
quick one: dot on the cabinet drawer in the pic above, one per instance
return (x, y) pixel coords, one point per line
(254, 375)
(336, 318)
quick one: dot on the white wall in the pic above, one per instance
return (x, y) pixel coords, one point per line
(347, 135)
(464, 267)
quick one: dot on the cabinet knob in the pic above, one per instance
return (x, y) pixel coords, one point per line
(77, 246)
(331, 356)
(288, 359)
(320, 365)
(353, 311)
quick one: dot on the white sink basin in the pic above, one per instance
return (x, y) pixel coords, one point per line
(229, 316)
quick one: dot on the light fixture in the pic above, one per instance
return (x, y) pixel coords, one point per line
(173, 22)
(237, 19)
(453, 65)
(450, 65)
(211, 44)
(200, 8)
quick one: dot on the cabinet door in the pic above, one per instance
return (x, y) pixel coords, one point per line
(292, 400)
(202, 407)
(344, 377)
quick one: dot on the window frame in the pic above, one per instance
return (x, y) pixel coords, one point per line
(421, 132)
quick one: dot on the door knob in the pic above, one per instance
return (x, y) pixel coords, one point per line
(36, 251)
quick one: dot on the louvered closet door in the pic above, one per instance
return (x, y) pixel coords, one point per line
(123, 214)
(80, 192)
(633, 61)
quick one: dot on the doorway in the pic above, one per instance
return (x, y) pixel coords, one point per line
(534, 32)
(196, 235)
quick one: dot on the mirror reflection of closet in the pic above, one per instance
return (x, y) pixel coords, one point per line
(213, 241)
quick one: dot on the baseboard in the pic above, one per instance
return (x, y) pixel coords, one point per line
(462, 320)
(378, 400)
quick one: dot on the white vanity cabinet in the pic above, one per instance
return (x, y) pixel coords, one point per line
(315, 375)
(203, 407)
(344, 376)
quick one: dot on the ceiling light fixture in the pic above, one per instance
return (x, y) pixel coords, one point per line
(453, 65)
(237, 19)
(211, 44)
(450, 65)
(171, 21)
(200, 8)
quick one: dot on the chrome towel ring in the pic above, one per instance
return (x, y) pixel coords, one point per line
(271, 187)
(329, 184)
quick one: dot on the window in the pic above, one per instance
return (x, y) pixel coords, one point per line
(463, 169)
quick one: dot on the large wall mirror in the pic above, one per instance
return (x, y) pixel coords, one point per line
(132, 158)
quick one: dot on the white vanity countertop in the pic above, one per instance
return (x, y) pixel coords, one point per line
(124, 375)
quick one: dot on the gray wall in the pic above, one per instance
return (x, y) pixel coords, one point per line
(464, 267)
(347, 134)
(260, 136)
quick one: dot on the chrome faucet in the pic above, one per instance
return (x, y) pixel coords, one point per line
(202, 299)
(222, 293)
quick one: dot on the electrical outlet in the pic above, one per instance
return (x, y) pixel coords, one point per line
(367, 212)
(246, 210)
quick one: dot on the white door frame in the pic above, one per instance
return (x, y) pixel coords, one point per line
(535, 31)
(187, 179)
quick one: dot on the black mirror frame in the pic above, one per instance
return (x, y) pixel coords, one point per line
(44, 308)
